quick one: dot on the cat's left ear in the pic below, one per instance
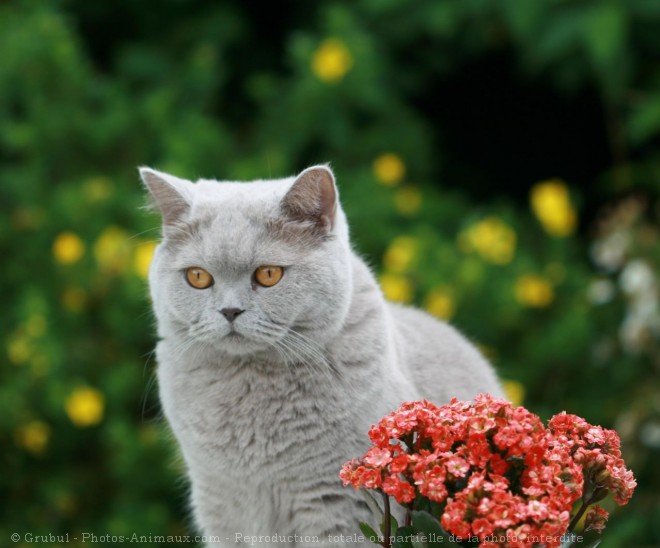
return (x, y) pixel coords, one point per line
(313, 198)
(172, 195)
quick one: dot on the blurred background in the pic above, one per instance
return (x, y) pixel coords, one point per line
(499, 162)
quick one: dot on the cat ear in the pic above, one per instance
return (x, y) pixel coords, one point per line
(170, 194)
(312, 198)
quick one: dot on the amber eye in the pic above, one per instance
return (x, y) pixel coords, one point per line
(198, 277)
(268, 275)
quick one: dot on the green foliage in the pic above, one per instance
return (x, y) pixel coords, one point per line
(429, 530)
(424, 531)
(89, 91)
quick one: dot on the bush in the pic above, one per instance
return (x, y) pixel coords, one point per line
(496, 162)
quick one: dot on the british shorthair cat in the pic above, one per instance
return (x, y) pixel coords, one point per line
(277, 352)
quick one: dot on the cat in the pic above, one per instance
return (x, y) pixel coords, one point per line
(277, 352)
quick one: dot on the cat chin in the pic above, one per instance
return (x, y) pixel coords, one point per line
(239, 346)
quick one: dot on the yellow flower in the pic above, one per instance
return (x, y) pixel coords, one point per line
(400, 254)
(551, 204)
(389, 169)
(33, 436)
(396, 288)
(112, 249)
(440, 303)
(408, 200)
(534, 291)
(85, 407)
(332, 60)
(74, 299)
(68, 248)
(514, 391)
(143, 256)
(491, 238)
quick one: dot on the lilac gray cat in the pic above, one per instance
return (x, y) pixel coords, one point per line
(278, 352)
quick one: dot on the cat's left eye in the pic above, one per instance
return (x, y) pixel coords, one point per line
(268, 275)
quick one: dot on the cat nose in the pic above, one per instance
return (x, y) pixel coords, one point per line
(231, 313)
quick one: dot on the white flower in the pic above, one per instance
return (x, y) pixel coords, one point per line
(610, 252)
(637, 278)
(601, 291)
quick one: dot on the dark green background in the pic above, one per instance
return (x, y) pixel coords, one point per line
(481, 100)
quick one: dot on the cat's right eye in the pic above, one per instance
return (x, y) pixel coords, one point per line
(198, 277)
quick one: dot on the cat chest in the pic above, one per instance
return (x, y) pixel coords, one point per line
(250, 424)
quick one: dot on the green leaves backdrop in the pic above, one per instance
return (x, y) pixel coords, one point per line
(498, 162)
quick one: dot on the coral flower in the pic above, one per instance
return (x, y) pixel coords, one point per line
(493, 470)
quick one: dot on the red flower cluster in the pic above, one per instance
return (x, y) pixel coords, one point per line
(496, 468)
(599, 452)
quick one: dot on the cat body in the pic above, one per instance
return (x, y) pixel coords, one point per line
(269, 389)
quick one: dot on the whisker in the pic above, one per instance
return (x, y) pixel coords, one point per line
(145, 395)
(306, 351)
(133, 236)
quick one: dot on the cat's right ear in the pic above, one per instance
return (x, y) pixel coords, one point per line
(171, 195)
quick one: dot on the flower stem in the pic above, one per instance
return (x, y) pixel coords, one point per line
(408, 517)
(387, 525)
(578, 515)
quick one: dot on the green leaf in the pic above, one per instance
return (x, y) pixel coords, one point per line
(644, 120)
(644, 8)
(427, 525)
(394, 525)
(606, 42)
(403, 538)
(523, 17)
(419, 541)
(424, 521)
(369, 532)
(605, 33)
(559, 36)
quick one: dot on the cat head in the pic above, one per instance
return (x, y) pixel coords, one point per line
(250, 267)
